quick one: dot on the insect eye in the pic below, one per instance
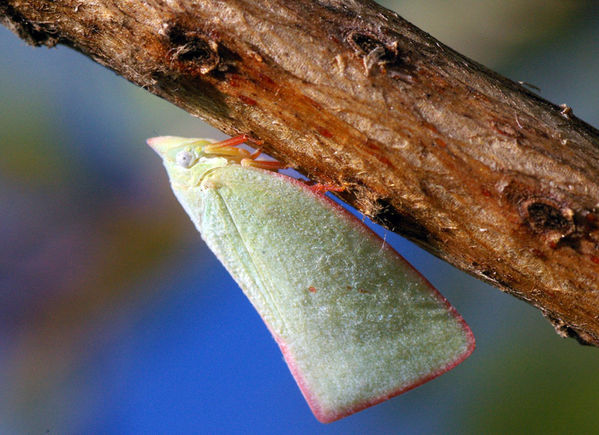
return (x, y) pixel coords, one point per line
(185, 159)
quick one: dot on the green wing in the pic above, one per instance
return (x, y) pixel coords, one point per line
(355, 322)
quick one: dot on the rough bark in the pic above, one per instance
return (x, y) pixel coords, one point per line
(470, 165)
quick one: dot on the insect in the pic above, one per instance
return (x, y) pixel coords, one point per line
(354, 321)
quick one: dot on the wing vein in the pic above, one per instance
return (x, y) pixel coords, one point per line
(267, 284)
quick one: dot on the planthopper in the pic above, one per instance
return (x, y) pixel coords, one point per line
(354, 321)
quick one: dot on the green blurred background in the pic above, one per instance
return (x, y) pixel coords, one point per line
(115, 318)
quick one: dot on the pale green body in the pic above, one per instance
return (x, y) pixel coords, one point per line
(356, 323)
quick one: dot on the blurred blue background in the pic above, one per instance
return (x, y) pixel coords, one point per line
(114, 316)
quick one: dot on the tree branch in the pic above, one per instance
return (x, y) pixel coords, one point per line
(471, 166)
